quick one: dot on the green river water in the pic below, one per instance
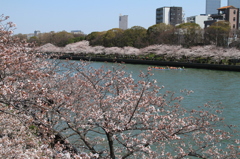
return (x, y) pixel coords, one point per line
(208, 85)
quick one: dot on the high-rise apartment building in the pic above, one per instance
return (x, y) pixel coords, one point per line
(212, 6)
(169, 15)
(123, 22)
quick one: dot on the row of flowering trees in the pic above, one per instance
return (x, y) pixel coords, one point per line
(62, 109)
(199, 54)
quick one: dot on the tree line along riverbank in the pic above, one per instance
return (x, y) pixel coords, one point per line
(207, 57)
(185, 34)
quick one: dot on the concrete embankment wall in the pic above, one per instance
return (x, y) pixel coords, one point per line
(159, 63)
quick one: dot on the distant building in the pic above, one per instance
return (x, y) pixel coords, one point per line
(198, 19)
(163, 15)
(212, 6)
(235, 3)
(123, 22)
(30, 35)
(169, 15)
(227, 13)
(36, 32)
(76, 32)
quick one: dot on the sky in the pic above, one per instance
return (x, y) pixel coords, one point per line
(89, 15)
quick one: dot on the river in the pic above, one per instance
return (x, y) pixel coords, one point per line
(207, 85)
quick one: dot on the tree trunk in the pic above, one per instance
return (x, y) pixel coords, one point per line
(110, 143)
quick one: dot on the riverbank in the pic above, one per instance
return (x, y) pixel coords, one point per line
(157, 63)
(206, 57)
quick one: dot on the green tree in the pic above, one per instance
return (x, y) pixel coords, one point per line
(112, 37)
(96, 38)
(45, 38)
(160, 33)
(218, 33)
(92, 36)
(189, 34)
(61, 38)
(76, 38)
(135, 37)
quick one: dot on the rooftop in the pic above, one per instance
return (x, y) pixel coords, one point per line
(226, 7)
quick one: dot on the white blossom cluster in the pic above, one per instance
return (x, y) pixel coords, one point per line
(18, 141)
(165, 50)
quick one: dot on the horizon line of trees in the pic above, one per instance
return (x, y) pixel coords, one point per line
(185, 34)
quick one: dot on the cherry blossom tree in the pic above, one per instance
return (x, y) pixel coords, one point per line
(112, 115)
(78, 111)
(209, 53)
(22, 135)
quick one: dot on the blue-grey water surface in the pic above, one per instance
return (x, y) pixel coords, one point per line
(208, 85)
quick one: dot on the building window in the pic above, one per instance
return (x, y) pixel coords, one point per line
(234, 26)
(234, 12)
(234, 18)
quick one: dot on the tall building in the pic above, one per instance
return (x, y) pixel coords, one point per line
(169, 15)
(212, 6)
(235, 3)
(36, 32)
(123, 22)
